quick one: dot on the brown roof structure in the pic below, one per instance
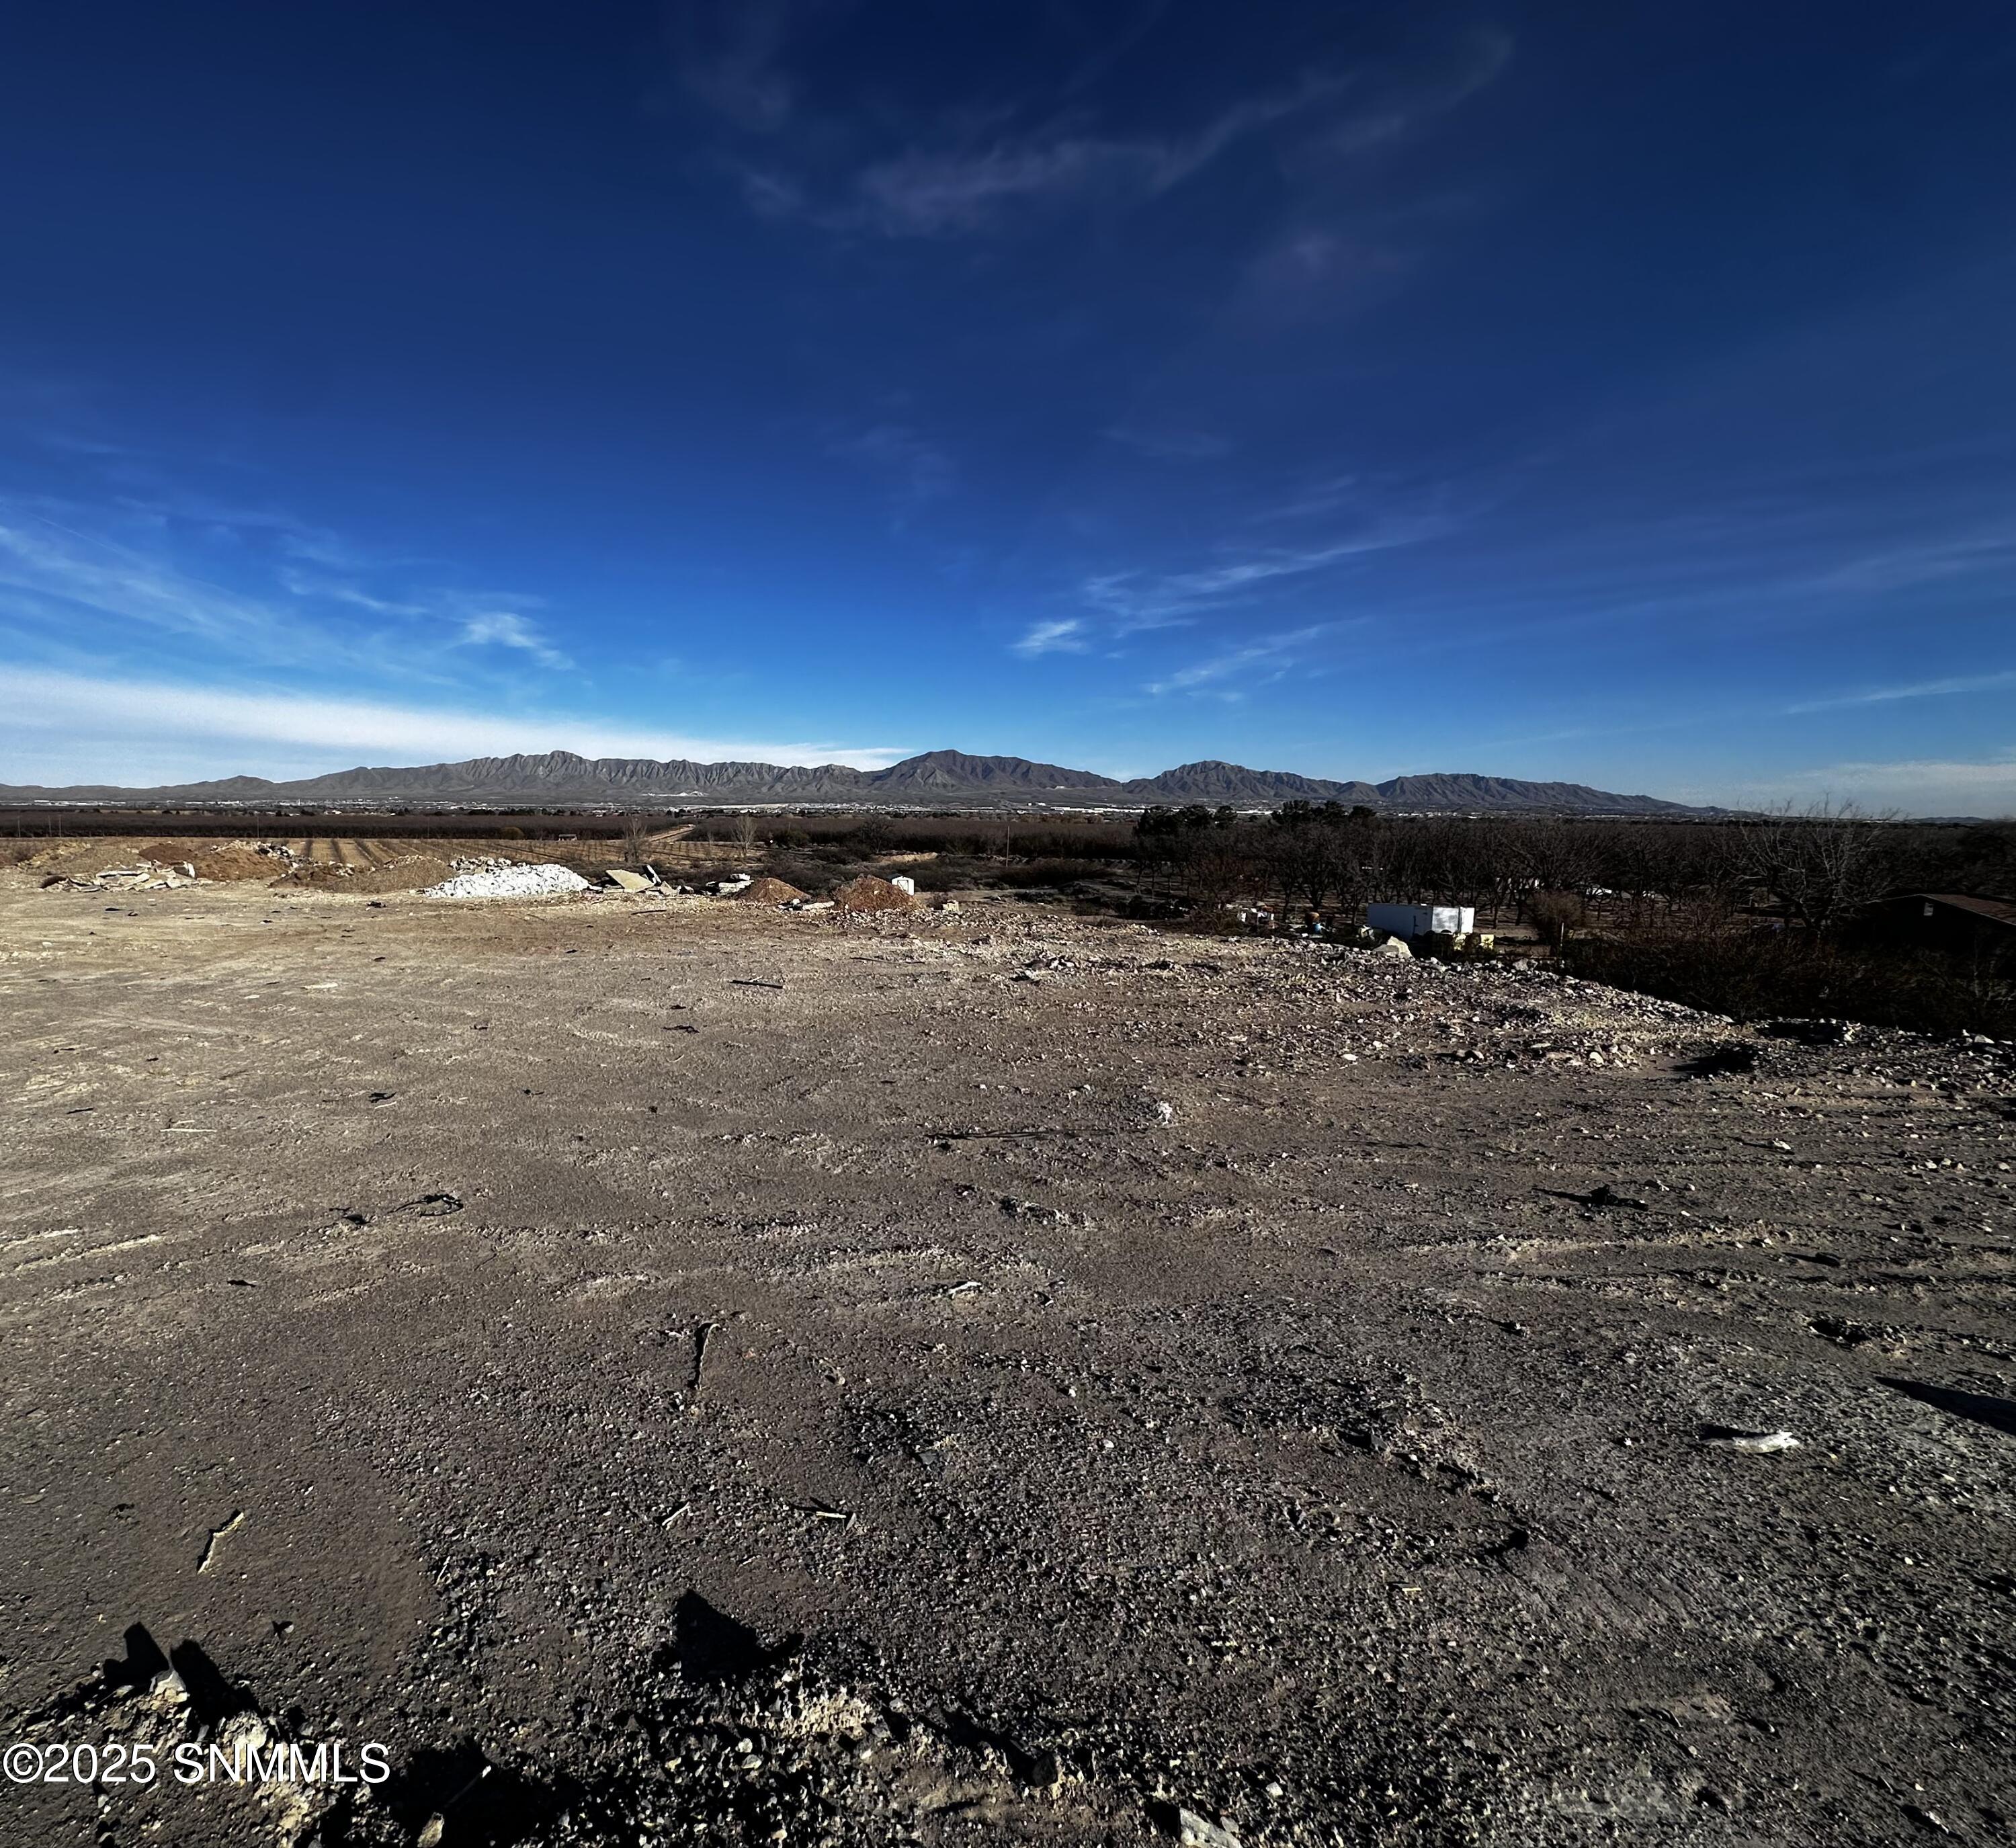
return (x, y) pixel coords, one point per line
(1995, 910)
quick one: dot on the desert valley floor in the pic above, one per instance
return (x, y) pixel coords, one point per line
(674, 1371)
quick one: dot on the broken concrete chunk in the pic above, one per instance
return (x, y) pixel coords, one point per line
(1756, 1443)
(1194, 1831)
(628, 881)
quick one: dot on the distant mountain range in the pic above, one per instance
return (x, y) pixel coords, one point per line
(938, 778)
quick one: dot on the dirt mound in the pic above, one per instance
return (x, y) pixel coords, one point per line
(233, 863)
(410, 873)
(767, 890)
(86, 859)
(867, 893)
(229, 859)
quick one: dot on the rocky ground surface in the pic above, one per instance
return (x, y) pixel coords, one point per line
(684, 1372)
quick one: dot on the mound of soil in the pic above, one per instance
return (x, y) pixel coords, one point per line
(410, 873)
(767, 890)
(86, 859)
(867, 893)
(230, 862)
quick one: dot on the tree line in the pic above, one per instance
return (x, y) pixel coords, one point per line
(1812, 871)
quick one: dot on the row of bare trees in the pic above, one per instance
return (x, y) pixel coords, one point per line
(1812, 869)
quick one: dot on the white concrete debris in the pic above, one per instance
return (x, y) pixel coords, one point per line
(1759, 1444)
(1194, 1831)
(510, 882)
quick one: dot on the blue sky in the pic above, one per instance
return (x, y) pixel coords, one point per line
(1616, 394)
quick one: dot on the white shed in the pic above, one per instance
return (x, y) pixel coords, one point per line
(1422, 920)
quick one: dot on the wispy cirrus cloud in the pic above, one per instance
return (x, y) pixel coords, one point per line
(1930, 561)
(1915, 689)
(79, 727)
(128, 577)
(305, 584)
(1136, 600)
(939, 191)
(1061, 635)
(506, 628)
(1257, 662)
(49, 572)
(970, 165)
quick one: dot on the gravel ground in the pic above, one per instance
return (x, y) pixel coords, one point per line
(685, 1372)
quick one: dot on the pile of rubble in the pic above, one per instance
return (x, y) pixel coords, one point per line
(80, 866)
(509, 880)
(145, 877)
(867, 893)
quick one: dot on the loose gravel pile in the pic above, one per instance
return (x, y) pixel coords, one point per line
(510, 882)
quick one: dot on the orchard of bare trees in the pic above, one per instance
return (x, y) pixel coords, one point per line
(1812, 870)
(1750, 915)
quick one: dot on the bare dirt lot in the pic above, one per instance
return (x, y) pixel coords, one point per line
(676, 1371)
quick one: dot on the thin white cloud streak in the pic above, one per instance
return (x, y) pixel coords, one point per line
(145, 718)
(958, 184)
(923, 193)
(336, 590)
(1922, 690)
(1138, 600)
(1065, 635)
(1275, 653)
(49, 571)
(1933, 562)
(505, 628)
(113, 580)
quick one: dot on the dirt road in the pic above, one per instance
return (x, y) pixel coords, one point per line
(980, 1379)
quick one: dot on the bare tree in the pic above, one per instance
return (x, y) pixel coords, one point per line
(637, 832)
(748, 832)
(1821, 864)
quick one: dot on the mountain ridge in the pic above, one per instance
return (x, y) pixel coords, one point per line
(932, 778)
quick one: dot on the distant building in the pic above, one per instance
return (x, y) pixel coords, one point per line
(1422, 920)
(1983, 931)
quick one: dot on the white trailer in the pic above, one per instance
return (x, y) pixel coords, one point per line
(1422, 920)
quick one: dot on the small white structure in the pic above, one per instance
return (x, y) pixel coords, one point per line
(903, 884)
(1422, 920)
